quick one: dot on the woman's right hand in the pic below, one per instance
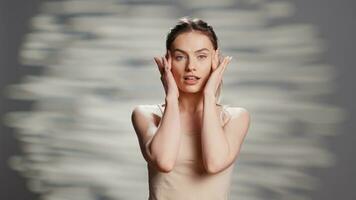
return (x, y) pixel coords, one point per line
(164, 66)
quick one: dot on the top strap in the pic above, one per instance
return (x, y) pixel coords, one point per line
(160, 108)
(223, 111)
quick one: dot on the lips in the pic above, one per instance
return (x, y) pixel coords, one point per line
(191, 77)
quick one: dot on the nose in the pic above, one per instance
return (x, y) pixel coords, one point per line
(190, 65)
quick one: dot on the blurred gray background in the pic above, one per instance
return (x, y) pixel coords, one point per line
(335, 21)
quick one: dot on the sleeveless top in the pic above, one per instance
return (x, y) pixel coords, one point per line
(188, 180)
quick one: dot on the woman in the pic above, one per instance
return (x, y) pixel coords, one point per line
(191, 142)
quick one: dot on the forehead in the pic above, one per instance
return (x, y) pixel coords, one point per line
(192, 41)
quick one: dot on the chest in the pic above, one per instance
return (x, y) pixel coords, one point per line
(191, 124)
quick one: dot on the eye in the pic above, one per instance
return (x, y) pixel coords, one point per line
(202, 57)
(179, 58)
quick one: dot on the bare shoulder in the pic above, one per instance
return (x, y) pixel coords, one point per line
(237, 124)
(237, 111)
(145, 109)
(145, 112)
(144, 121)
(238, 114)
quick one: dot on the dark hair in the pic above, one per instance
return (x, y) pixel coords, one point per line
(187, 24)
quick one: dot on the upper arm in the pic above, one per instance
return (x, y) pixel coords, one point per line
(145, 127)
(235, 130)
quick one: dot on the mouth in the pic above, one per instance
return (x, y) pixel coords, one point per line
(191, 80)
(191, 77)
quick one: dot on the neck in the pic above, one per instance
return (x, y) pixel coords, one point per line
(191, 102)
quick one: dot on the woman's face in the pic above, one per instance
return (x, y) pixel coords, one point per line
(191, 55)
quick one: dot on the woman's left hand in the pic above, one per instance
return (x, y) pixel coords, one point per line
(215, 78)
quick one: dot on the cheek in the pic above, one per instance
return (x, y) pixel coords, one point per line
(176, 73)
(178, 64)
(207, 71)
(207, 64)
(178, 68)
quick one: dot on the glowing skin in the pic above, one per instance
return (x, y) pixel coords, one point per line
(191, 108)
(191, 54)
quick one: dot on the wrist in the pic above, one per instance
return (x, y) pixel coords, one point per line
(171, 99)
(209, 98)
(209, 95)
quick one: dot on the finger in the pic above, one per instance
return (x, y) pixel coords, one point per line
(166, 66)
(163, 64)
(221, 73)
(157, 61)
(228, 60)
(221, 65)
(169, 60)
(215, 60)
(159, 65)
(221, 59)
(224, 63)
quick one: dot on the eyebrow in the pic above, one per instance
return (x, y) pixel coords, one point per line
(203, 49)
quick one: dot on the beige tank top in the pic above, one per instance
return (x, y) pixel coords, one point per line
(188, 180)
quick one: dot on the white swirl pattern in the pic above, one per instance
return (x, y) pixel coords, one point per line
(97, 59)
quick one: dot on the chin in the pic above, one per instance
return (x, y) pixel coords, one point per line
(191, 88)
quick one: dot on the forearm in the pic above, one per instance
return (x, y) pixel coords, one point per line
(165, 143)
(214, 142)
